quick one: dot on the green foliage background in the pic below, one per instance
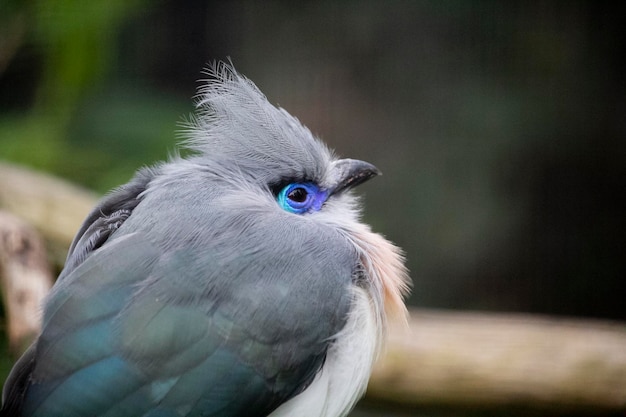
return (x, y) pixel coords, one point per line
(77, 123)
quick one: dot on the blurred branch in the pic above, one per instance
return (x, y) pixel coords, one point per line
(445, 359)
(54, 207)
(501, 360)
(25, 279)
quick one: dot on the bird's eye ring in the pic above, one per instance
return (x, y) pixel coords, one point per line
(301, 197)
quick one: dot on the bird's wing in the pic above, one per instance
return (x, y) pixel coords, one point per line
(122, 338)
(106, 218)
(103, 220)
(16, 384)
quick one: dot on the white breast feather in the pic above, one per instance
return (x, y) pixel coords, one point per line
(343, 378)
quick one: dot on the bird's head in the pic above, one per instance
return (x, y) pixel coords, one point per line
(273, 165)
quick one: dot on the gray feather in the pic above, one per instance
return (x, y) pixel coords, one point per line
(191, 282)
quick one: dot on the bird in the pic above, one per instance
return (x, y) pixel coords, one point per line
(236, 278)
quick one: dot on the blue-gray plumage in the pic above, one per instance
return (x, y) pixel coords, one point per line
(234, 282)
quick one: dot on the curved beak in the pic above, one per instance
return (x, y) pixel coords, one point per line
(348, 173)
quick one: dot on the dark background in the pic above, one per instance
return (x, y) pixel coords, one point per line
(499, 126)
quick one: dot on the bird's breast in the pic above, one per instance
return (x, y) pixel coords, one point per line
(343, 378)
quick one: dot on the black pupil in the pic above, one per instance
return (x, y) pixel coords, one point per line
(298, 195)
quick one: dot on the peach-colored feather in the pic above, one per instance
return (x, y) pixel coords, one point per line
(384, 263)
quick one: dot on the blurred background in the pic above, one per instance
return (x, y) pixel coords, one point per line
(499, 126)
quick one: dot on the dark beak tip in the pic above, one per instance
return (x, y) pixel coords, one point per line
(353, 172)
(367, 170)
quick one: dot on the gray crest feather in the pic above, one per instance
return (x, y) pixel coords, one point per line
(235, 125)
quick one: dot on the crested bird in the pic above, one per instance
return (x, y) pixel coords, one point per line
(237, 280)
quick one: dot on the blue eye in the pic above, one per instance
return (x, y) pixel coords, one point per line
(301, 197)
